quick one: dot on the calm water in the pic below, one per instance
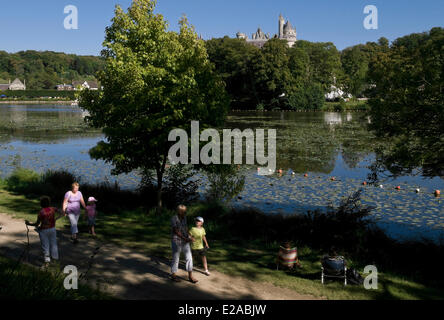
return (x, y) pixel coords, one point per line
(320, 144)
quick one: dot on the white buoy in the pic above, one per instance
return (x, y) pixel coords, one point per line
(381, 186)
(418, 190)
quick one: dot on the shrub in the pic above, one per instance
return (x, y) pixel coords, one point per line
(24, 181)
(260, 107)
(33, 94)
(306, 97)
(178, 186)
(225, 182)
(56, 183)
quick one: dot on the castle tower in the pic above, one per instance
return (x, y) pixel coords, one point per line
(281, 26)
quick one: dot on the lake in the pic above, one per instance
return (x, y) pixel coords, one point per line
(320, 144)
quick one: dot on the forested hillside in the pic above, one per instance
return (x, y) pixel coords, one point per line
(44, 70)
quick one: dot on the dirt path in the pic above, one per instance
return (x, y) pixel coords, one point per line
(127, 274)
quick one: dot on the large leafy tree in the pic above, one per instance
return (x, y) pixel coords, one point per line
(272, 76)
(232, 58)
(408, 103)
(324, 63)
(355, 65)
(154, 81)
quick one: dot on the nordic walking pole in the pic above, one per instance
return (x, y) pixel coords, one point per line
(27, 245)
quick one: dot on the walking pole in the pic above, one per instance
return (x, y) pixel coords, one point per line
(27, 245)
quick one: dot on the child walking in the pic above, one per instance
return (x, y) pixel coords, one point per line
(198, 235)
(45, 224)
(91, 213)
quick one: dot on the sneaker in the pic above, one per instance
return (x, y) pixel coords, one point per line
(207, 273)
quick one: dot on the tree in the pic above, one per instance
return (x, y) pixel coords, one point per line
(154, 81)
(407, 103)
(272, 76)
(355, 65)
(232, 60)
(325, 63)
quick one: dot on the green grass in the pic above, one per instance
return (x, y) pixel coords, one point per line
(25, 282)
(250, 259)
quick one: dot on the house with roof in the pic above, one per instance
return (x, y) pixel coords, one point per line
(15, 85)
(64, 87)
(80, 85)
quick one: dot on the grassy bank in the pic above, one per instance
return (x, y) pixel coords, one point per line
(244, 243)
(37, 101)
(23, 282)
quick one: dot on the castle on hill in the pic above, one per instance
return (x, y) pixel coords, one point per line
(285, 32)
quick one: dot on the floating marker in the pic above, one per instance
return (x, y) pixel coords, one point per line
(418, 190)
(364, 183)
(306, 175)
(381, 186)
(398, 188)
(437, 193)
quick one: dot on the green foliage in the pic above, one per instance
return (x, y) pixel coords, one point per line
(44, 70)
(35, 94)
(261, 77)
(260, 107)
(408, 103)
(272, 76)
(22, 180)
(179, 185)
(56, 183)
(232, 59)
(355, 63)
(307, 97)
(225, 182)
(22, 282)
(324, 62)
(154, 81)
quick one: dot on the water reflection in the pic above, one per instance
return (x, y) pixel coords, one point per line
(320, 144)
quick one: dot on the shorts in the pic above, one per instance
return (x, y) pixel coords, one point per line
(91, 221)
(200, 252)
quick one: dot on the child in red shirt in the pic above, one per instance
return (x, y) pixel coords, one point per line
(45, 224)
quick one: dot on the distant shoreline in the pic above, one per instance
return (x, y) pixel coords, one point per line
(20, 102)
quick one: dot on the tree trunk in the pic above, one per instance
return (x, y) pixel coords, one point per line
(160, 172)
(159, 192)
(159, 199)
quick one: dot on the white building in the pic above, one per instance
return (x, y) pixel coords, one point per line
(15, 85)
(285, 32)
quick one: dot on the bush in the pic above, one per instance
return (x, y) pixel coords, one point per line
(260, 107)
(33, 94)
(225, 182)
(56, 183)
(24, 181)
(306, 97)
(23, 282)
(179, 187)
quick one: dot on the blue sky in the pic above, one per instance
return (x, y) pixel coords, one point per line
(38, 25)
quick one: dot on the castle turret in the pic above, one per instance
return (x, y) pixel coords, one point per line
(281, 26)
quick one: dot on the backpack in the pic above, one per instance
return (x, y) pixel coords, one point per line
(354, 277)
